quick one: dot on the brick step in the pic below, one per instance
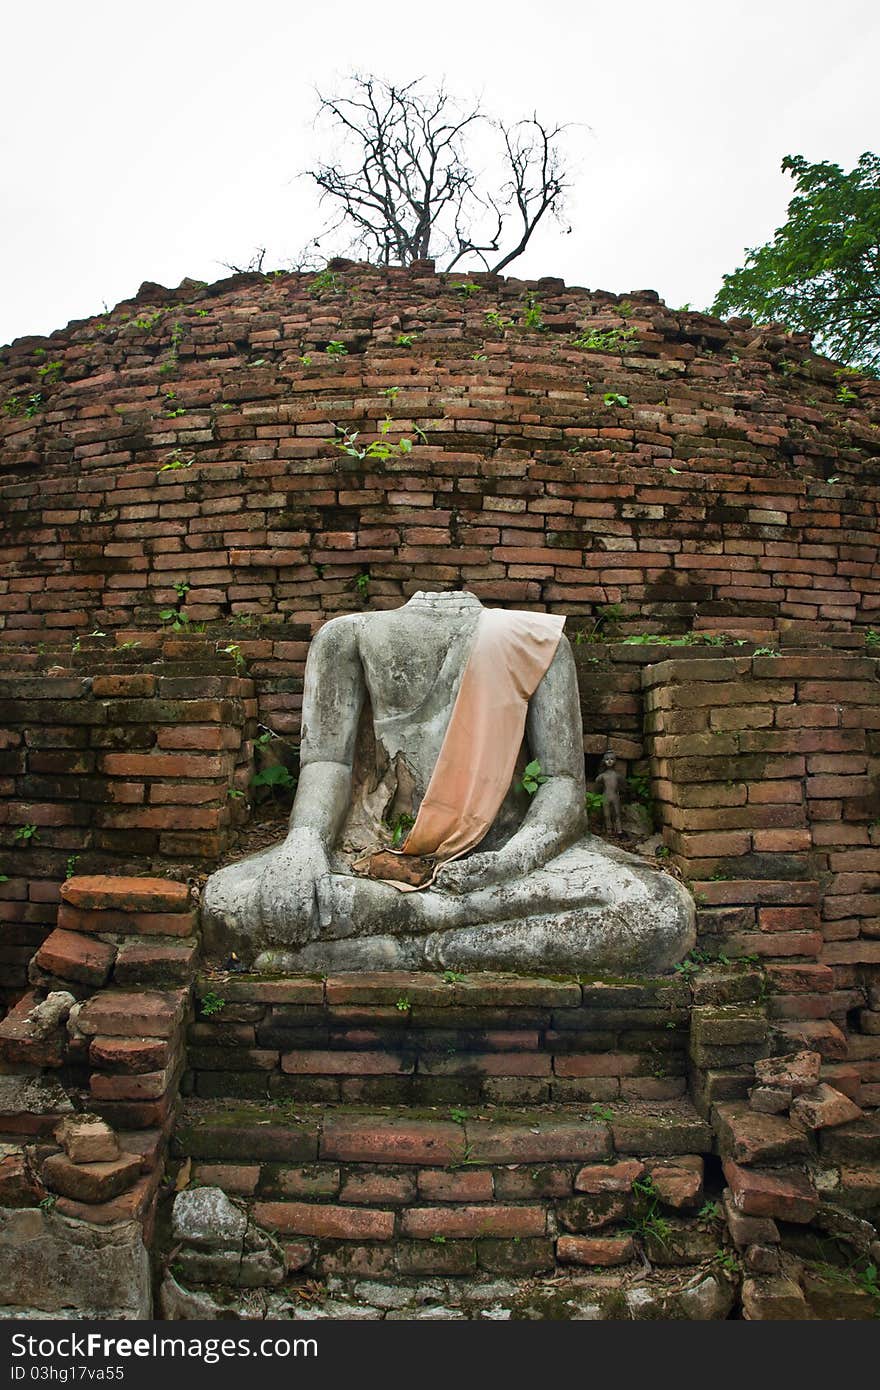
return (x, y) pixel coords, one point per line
(277, 1132)
(430, 1039)
(448, 1190)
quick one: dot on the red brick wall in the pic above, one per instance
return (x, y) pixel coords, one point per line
(123, 759)
(767, 777)
(733, 490)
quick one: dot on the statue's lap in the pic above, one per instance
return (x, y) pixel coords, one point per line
(591, 907)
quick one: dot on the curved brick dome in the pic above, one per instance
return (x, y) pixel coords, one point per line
(550, 447)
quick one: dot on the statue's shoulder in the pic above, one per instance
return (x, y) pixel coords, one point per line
(337, 635)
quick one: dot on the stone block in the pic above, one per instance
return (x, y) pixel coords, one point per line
(608, 1177)
(784, 1194)
(91, 1182)
(133, 1013)
(472, 1222)
(381, 1140)
(773, 1298)
(126, 894)
(822, 1106)
(770, 1100)
(796, 1071)
(329, 1222)
(749, 1137)
(206, 1218)
(71, 956)
(50, 1264)
(87, 1138)
(595, 1250)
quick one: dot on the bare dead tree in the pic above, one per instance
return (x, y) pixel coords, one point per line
(404, 186)
(254, 265)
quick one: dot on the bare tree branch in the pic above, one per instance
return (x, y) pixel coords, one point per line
(404, 187)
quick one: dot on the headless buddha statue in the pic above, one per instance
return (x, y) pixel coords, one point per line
(425, 716)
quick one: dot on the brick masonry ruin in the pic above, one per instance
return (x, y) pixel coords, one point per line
(178, 518)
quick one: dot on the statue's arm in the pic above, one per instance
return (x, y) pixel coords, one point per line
(333, 696)
(555, 816)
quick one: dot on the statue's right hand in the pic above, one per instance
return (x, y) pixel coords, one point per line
(289, 889)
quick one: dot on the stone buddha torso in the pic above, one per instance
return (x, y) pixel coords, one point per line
(535, 893)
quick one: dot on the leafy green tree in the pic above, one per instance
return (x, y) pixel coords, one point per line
(821, 272)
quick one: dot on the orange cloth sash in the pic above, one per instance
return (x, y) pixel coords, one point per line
(510, 654)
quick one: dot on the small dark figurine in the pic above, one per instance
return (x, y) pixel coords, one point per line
(611, 782)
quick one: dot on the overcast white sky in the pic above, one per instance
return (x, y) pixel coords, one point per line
(156, 141)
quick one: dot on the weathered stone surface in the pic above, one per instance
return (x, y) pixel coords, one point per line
(146, 962)
(129, 1056)
(595, 1250)
(253, 1269)
(50, 1013)
(796, 1071)
(86, 1138)
(50, 1263)
(728, 1025)
(469, 1222)
(751, 1137)
(19, 1184)
(178, 1304)
(855, 1141)
(823, 1106)
(580, 1214)
(131, 1205)
(377, 1140)
(680, 1187)
(762, 1259)
(333, 1222)
(679, 1242)
(770, 1100)
(860, 1186)
(773, 1298)
(833, 1294)
(205, 1217)
(235, 1133)
(150, 1085)
(91, 1182)
(676, 1131)
(609, 1177)
(31, 1104)
(748, 1230)
(28, 1038)
(536, 1140)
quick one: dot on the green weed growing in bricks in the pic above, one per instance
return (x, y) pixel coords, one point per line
(211, 1003)
(325, 282)
(51, 372)
(26, 834)
(175, 463)
(533, 317)
(606, 340)
(177, 619)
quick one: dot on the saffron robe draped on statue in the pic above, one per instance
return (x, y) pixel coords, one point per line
(511, 652)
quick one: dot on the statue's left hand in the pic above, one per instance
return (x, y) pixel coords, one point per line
(467, 875)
